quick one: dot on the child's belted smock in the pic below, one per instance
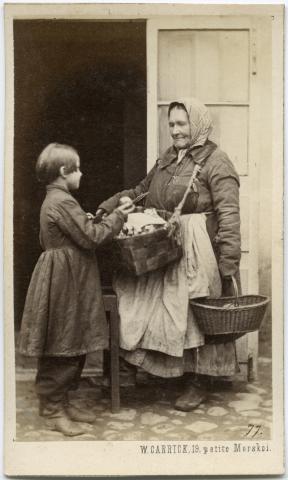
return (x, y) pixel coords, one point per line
(64, 313)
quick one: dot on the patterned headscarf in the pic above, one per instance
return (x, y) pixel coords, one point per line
(200, 120)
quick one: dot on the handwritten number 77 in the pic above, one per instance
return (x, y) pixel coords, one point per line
(253, 430)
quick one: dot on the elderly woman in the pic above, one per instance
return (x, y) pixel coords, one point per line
(164, 339)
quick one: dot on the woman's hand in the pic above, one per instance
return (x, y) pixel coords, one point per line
(125, 200)
(126, 208)
(227, 287)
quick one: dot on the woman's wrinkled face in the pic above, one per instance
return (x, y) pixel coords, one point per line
(180, 128)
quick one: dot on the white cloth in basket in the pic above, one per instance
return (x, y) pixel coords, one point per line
(148, 217)
(154, 308)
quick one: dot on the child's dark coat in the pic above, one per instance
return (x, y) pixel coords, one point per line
(64, 313)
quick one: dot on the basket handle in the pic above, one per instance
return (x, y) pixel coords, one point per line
(236, 291)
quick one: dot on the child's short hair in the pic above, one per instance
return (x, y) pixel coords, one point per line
(52, 158)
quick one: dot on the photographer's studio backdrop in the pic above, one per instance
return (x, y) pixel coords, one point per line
(104, 87)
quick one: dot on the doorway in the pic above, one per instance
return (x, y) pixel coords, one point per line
(82, 83)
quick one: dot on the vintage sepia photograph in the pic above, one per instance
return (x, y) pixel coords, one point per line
(144, 239)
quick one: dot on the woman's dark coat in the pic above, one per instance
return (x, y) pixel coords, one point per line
(218, 186)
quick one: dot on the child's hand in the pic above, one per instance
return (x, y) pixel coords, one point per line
(90, 216)
(100, 214)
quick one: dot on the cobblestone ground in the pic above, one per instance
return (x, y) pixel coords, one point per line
(147, 411)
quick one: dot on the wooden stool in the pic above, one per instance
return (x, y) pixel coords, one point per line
(110, 305)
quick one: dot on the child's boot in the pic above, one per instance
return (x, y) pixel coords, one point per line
(57, 418)
(60, 422)
(78, 415)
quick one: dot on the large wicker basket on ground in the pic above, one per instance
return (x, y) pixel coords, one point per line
(226, 315)
(149, 251)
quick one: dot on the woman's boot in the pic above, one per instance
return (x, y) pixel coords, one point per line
(127, 374)
(194, 394)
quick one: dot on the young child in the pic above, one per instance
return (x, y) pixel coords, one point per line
(64, 317)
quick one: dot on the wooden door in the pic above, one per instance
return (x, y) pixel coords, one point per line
(214, 60)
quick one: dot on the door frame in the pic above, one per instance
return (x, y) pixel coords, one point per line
(247, 346)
